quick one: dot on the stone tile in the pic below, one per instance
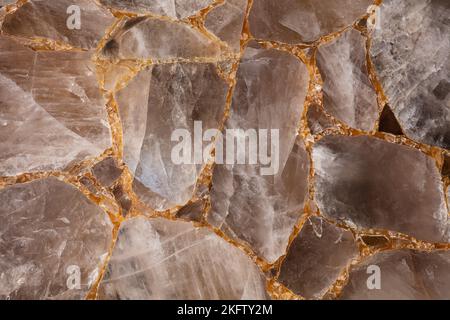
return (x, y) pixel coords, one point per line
(316, 258)
(50, 234)
(370, 183)
(410, 53)
(163, 259)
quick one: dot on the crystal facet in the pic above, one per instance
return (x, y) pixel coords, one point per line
(158, 101)
(293, 21)
(161, 259)
(317, 257)
(50, 234)
(404, 274)
(369, 183)
(262, 210)
(149, 38)
(170, 8)
(54, 96)
(348, 93)
(410, 53)
(52, 20)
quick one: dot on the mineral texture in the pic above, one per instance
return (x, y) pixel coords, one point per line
(52, 112)
(348, 93)
(294, 21)
(367, 183)
(410, 52)
(49, 232)
(169, 8)
(41, 20)
(160, 259)
(158, 39)
(224, 149)
(405, 274)
(262, 209)
(227, 21)
(317, 257)
(158, 101)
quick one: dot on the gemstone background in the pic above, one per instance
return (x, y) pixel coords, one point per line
(360, 91)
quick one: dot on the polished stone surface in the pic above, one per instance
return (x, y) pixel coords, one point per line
(348, 94)
(294, 21)
(227, 21)
(404, 275)
(224, 149)
(161, 259)
(50, 20)
(410, 53)
(158, 101)
(50, 233)
(261, 209)
(169, 8)
(151, 38)
(368, 183)
(54, 96)
(317, 257)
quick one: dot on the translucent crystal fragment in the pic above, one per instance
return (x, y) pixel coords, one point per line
(316, 258)
(170, 8)
(107, 171)
(192, 211)
(348, 93)
(224, 149)
(52, 113)
(401, 275)
(149, 38)
(410, 50)
(294, 21)
(78, 23)
(317, 119)
(157, 103)
(53, 241)
(227, 21)
(163, 259)
(257, 207)
(370, 183)
(122, 199)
